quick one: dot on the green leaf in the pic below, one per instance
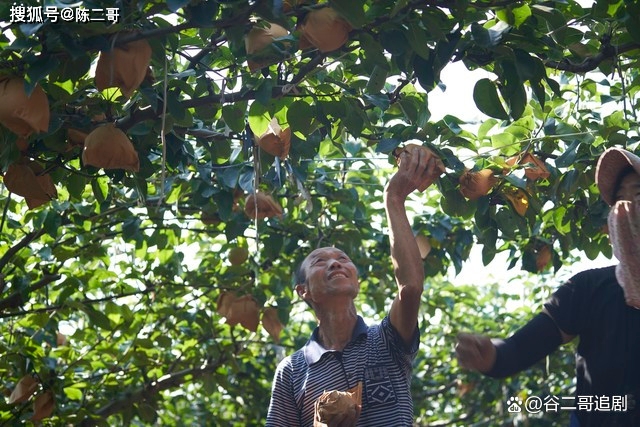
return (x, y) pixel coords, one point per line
(632, 20)
(488, 38)
(233, 115)
(235, 227)
(246, 180)
(568, 156)
(377, 80)
(425, 72)
(146, 412)
(514, 15)
(300, 117)
(97, 318)
(418, 41)
(485, 127)
(485, 95)
(506, 142)
(76, 185)
(453, 203)
(381, 101)
(559, 220)
(39, 69)
(73, 393)
(52, 223)
(352, 11)
(508, 221)
(259, 118)
(224, 201)
(335, 109)
(386, 145)
(398, 6)
(513, 90)
(130, 228)
(373, 53)
(394, 41)
(174, 107)
(202, 13)
(553, 17)
(73, 68)
(175, 5)
(264, 92)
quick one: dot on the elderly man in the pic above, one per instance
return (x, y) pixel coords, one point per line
(343, 353)
(601, 306)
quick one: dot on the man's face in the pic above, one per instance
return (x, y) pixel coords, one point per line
(330, 273)
(624, 227)
(629, 188)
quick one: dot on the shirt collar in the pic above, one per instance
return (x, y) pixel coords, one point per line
(313, 351)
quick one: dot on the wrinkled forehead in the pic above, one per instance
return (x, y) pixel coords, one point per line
(320, 252)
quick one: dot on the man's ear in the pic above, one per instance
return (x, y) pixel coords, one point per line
(301, 290)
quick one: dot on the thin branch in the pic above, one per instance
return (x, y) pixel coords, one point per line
(156, 32)
(592, 62)
(153, 388)
(442, 389)
(17, 298)
(307, 68)
(26, 240)
(4, 212)
(85, 302)
(216, 39)
(149, 113)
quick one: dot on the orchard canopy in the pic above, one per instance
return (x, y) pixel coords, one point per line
(166, 165)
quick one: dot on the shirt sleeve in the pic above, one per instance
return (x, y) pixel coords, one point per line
(397, 344)
(282, 407)
(567, 305)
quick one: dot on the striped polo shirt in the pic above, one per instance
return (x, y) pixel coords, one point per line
(376, 356)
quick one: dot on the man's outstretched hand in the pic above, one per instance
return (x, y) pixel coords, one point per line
(475, 352)
(418, 168)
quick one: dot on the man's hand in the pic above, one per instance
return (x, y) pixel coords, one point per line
(418, 168)
(475, 352)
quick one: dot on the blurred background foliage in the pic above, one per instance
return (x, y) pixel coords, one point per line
(154, 295)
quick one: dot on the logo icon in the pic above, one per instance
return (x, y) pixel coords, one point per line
(514, 404)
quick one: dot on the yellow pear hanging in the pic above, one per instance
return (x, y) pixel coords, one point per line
(261, 206)
(518, 199)
(224, 302)
(324, 29)
(23, 390)
(257, 39)
(109, 148)
(424, 246)
(26, 179)
(474, 185)
(22, 114)
(46, 183)
(43, 406)
(271, 323)
(123, 66)
(543, 257)
(245, 311)
(535, 168)
(276, 141)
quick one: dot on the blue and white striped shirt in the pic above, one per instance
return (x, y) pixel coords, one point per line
(376, 355)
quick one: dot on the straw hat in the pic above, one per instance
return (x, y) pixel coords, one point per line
(610, 165)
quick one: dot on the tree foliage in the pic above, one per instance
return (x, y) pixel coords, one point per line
(115, 294)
